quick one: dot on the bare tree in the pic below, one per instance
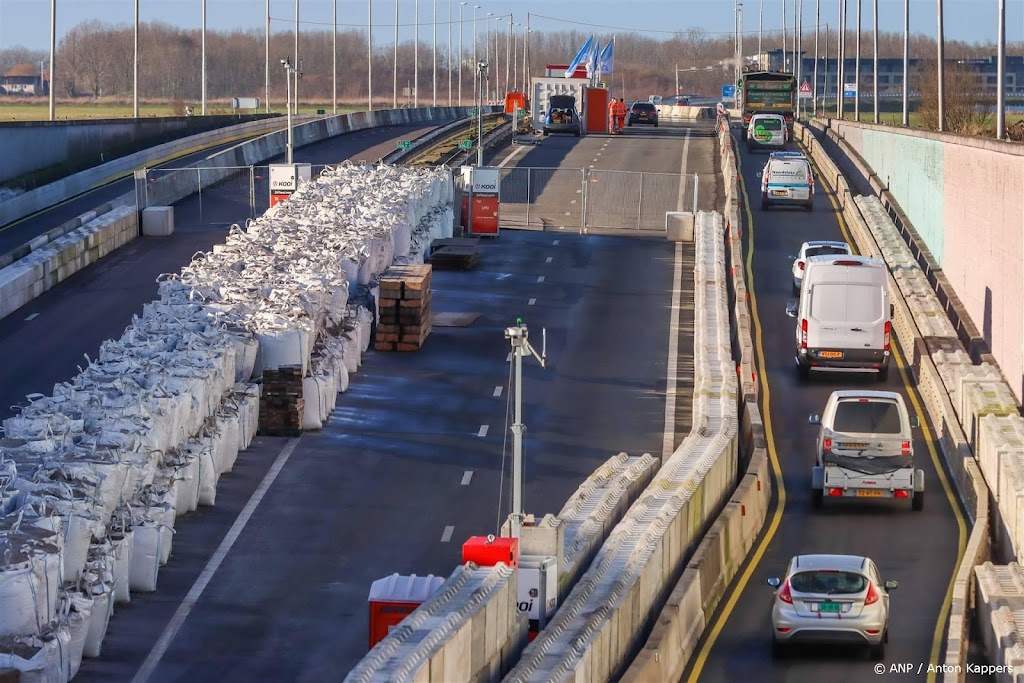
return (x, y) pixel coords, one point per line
(13, 56)
(967, 104)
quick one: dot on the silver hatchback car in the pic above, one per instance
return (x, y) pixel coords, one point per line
(837, 599)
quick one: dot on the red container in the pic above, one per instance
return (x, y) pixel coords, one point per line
(395, 597)
(487, 551)
(595, 110)
(514, 99)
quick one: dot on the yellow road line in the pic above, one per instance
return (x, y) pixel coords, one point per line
(766, 417)
(930, 443)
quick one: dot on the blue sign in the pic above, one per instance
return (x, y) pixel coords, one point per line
(850, 90)
(728, 92)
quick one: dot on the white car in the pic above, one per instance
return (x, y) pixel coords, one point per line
(815, 248)
(787, 178)
(767, 131)
(837, 599)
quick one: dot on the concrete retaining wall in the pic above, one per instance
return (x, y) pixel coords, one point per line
(32, 145)
(965, 198)
(26, 279)
(676, 112)
(40, 198)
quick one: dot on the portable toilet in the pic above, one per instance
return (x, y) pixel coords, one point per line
(595, 110)
(395, 597)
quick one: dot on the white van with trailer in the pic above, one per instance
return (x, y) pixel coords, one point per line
(866, 449)
(844, 316)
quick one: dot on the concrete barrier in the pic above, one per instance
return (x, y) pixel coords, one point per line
(29, 277)
(677, 112)
(607, 615)
(43, 197)
(469, 630)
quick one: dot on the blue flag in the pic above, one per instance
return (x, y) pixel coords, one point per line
(592, 59)
(606, 62)
(584, 51)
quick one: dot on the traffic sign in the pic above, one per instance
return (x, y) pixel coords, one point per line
(404, 144)
(805, 89)
(728, 92)
(472, 112)
(465, 144)
(850, 90)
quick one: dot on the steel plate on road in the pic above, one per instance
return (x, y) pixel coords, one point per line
(870, 493)
(831, 354)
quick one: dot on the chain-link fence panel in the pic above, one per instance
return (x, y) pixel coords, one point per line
(661, 193)
(613, 199)
(541, 198)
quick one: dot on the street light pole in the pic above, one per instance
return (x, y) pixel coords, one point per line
(335, 58)
(451, 101)
(266, 58)
(462, 5)
(203, 40)
(487, 46)
(760, 30)
(135, 66)
(416, 55)
(476, 83)
(874, 66)
(435, 54)
(906, 63)
(521, 347)
(53, 54)
(785, 61)
(856, 68)
(482, 68)
(1001, 75)
(369, 55)
(508, 53)
(394, 91)
(799, 54)
(817, 22)
(289, 69)
(295, 66)
(841, 84)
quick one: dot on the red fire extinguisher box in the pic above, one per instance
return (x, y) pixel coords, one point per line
(395, 597)
(487, 551)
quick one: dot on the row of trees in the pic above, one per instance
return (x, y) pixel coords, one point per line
(95, 60)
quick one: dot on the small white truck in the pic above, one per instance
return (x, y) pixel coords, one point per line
(866, 449)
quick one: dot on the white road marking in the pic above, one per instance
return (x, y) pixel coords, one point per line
(483, 430)
(593, 159)
(555, 243)
(158, 651)
(447, 535)
(467, 477)
(509, 157)
(668, 443)
(566, 213)
(32, 317)
(497, 391)
(547, 260)
(682, 169)
(540, 278)
(572, 201)
(532, 302)
(591, 166)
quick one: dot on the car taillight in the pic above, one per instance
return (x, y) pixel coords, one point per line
(888, 331)
(872, 596)
(827, 445)
(905, 447)
(902, 493)
(800, 265)
(785, 595)
(810, 182)
(803, 334)
(835, 493)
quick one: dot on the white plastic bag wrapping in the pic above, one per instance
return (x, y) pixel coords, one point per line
(79, 619)
(227, 423)
(247, 397)
(312, 410)
(44, 658)
(122, 544)
(30, 576)
(147, 551)
(208, 477)
(99, 619)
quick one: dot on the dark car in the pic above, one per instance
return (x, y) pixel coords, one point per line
(562, 116)
(643, 112)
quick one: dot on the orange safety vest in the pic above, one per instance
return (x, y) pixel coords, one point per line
(613, 108)
(620, 108)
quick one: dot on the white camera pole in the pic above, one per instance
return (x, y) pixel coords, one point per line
(521, 347)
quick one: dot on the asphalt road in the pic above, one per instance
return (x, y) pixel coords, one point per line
(918, 549)
(14, 234)
(380, 489)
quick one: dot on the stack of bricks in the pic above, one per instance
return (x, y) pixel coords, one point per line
(281, 403)
(405, 318)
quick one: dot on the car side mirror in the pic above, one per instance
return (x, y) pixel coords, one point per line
(892, 585)
(915, 422)
(814, 419)
(791, 307)
(774, 582)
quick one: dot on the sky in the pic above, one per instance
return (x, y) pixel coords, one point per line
(27, 22)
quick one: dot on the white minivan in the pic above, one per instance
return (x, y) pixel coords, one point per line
(767, 130)
(787, 178)
(844, 316)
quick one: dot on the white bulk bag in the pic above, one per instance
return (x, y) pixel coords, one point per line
(245, 357)
(207, 484)
(102, 608)
(403, 238)
(79, 620)
(227, 419)
(364, 321)
(283, 346)
(312, 392)
(351, 269)
(24, 598)
(146, 554)
(351, 350)
(340, 374)
(122, 545)
(41, 659)
(80, 525)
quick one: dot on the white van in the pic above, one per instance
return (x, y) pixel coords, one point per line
(767, 130)
(787, 178)
(844, 317)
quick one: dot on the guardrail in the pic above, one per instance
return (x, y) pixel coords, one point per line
(942, 368)
(600, 626)
(423, 143)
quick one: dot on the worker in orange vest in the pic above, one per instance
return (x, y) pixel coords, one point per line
(612, 109)
(620, 114)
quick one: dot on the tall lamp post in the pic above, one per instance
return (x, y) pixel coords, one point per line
(1001, 74)
(53, 54)
(435, 53)
(334, 39)
(394, 91)
(416, 56)
(203, 41)
(817, 21)
(289, 71)
(476, 74)
(856, 68)
(482, 72)
(135, 66)
(369, 55)
(874, 66)
(266, 58)
(450, 99)
(462, 5)
(487, 48)
(906, 63)
(297, 60)
(942, 70)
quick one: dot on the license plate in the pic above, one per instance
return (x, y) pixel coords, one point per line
(870, 493)
(833, 607)
(830, 354)
(851, 444)
(779, 193)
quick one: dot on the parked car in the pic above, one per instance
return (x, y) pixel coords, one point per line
(643, 112)
(838, 599)
(562, 116)
(787, 178)
(844, 316)
(866, 449)
(815, 248)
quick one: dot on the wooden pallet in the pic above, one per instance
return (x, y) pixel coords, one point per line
(473, 242)
(404, 308)
(281, 402)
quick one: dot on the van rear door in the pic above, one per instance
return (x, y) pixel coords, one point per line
(848, 315)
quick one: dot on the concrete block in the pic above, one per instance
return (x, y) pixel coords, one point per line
(679, 226)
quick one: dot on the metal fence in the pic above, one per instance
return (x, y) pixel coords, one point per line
(582, 199)
(531, 198)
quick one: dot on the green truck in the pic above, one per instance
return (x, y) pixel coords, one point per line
(767, 92)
